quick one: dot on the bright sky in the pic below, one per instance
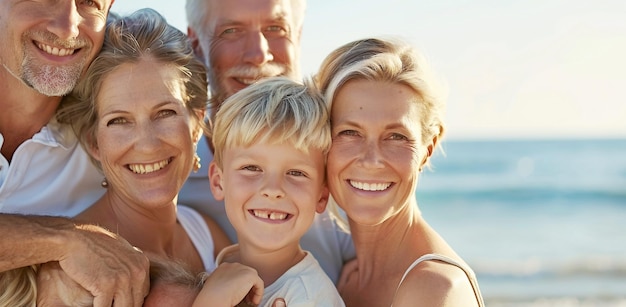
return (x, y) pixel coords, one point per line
(514, 69)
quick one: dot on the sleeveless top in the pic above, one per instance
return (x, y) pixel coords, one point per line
(199, 233)
(468, 272)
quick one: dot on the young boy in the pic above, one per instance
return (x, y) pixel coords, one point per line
(270, 142)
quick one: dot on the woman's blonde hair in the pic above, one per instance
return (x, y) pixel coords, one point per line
(19, 287)
(386, 60)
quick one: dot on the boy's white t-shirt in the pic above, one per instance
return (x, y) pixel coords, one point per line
(304, 284)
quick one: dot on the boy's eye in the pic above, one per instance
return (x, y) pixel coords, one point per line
(252, 168)
(296, 173)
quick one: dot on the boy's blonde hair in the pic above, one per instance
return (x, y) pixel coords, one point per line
(277, 110)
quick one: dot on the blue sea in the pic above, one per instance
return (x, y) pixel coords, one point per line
(542, 223)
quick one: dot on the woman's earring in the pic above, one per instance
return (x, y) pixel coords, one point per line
(104, 183)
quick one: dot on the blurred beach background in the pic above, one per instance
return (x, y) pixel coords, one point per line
(531, 191)
(541, 222)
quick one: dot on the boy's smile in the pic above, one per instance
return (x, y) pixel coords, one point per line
(270, 215)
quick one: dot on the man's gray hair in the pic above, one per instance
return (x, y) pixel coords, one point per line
(198, 19)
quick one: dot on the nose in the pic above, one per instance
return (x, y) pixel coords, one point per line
(64, 20)
(272, 187)
(257, 51)
(147, 139)
(371, 155)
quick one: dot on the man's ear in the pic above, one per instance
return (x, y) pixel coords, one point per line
(195, 43)
(215, 181)
(323, 201)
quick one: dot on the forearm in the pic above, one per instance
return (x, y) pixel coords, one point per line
(31, 239)
(99, 261)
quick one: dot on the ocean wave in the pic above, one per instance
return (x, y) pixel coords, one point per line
(590, 266)
(508, 194)
(595, 281)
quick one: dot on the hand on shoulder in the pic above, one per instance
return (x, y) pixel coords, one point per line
(106, 265)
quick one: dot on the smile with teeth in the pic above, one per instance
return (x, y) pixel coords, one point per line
(55, 51)
(148, 168)
(272, 215)
(370, 186)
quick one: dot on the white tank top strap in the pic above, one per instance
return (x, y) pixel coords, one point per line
(468, 272)
(199, 233)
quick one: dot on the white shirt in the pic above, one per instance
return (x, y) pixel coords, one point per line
(50, 174)
(303, 285)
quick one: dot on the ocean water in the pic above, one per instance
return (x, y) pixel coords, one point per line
(542, 223)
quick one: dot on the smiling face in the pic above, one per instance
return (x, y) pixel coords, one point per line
(48, 44)
(271, 192)
(249, 40)
(145, 134)
(374, 161)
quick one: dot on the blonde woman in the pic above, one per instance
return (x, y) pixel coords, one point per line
(386, 121)
(139, 113)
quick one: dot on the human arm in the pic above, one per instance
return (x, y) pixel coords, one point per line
(98, 260)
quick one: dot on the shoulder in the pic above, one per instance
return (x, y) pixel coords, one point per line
(307, 281)
(435, 283)
(308, 272)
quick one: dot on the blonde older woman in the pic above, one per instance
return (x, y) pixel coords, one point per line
(139, 114)
(386, 120)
